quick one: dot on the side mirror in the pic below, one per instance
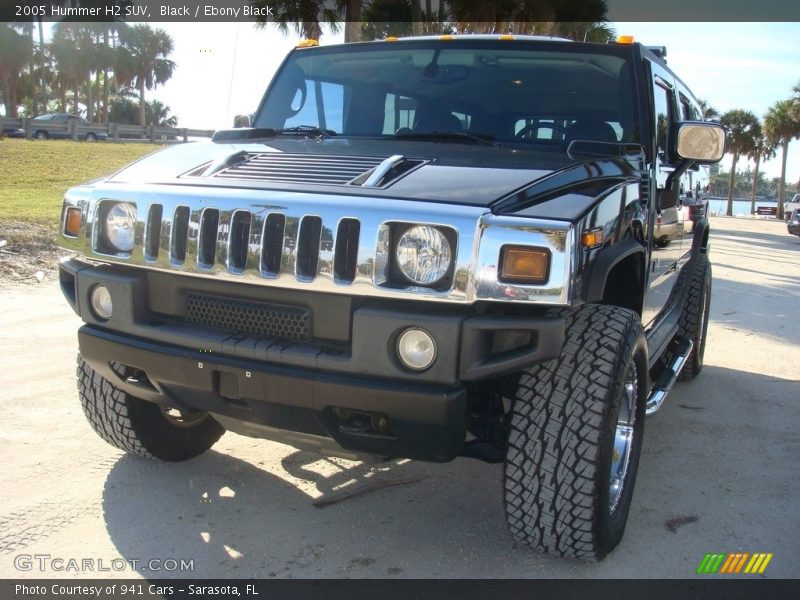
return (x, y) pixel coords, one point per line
(701, 142)
(241, 121)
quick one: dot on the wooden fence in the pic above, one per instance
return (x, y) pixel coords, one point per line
(116, 132)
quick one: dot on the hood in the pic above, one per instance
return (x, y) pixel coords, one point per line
(384, 168)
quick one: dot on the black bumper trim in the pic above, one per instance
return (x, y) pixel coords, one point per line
(427, 422)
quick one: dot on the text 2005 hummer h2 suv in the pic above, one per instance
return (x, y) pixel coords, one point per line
(423, 248)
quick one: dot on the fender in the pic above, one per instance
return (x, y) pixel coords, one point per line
(597, 274)
(700, 239)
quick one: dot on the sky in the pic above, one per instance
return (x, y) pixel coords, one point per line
(224, 68)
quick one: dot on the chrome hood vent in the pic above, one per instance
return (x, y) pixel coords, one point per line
(324, 169)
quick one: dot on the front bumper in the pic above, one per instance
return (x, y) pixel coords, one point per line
(347, 386)
(421, 421)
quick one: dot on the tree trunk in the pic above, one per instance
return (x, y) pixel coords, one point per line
(141, 101)
(352, 25)
(6, 98)
(105, 81)
(755, 183)
(34, 82)
(416, 15)
(731, 182)
(782, 185)
(89, 98)
(43, 85)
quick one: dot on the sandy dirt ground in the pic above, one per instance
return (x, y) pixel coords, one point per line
(719, 471)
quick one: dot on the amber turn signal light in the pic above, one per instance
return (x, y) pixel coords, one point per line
(592, 239)
(520, 264)
(72, 222)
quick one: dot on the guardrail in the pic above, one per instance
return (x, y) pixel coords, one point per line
(116, 132)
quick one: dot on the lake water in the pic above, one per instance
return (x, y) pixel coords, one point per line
(719, 206)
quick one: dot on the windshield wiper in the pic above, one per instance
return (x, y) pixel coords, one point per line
(306, 130)
(453, 136)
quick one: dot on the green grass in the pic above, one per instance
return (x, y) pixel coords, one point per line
(35, 174)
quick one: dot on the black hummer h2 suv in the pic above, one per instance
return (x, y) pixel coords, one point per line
(423, 248)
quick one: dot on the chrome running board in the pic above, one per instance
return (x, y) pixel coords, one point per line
(664, 384)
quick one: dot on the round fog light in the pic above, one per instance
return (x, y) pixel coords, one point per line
(101, 302)
(416, 349)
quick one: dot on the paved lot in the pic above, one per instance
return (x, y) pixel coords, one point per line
(719, 470)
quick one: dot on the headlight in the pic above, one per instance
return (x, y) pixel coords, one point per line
(119, 227)
(423, 254)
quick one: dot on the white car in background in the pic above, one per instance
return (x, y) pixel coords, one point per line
(791, 205)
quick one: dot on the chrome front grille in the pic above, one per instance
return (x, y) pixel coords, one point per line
(316, 242)
(240, 240)
(301, 168)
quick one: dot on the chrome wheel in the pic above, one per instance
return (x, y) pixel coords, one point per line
(182, 418)
(623, 438)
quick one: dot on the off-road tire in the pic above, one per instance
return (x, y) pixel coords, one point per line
(137, 426)
(561, 438)
(693, 323)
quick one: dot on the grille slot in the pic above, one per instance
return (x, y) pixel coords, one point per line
(180, 233)
(273, 244)
(346, 256)
(257, 319)
(207, 244)
(153, 232)
(308, 240)
(239, 241)
(301, 168)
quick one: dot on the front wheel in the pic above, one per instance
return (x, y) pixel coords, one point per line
(90, 137)
(575, 436)
(693, 323)
(41, 135)
(140, 427)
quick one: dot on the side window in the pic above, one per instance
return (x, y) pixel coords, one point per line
(663, 117)
(688, 111)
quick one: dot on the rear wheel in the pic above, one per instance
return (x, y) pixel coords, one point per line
(575, 437)
(693, 323)
(90, 137)
(41, 135)
(140, 427)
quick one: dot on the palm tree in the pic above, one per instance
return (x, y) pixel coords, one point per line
(763, 149)
(305, 16)
(742, 129)
(709, 112)
(143, 60)
(781, 124)
(159, 114)
(15, 50)
(66, 49)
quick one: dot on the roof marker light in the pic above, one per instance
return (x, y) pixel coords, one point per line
(391, 38)
(507, 37)
(447, 37)
(307, 43)
(625, 39)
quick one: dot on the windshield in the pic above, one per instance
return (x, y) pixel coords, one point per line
(545, 93)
